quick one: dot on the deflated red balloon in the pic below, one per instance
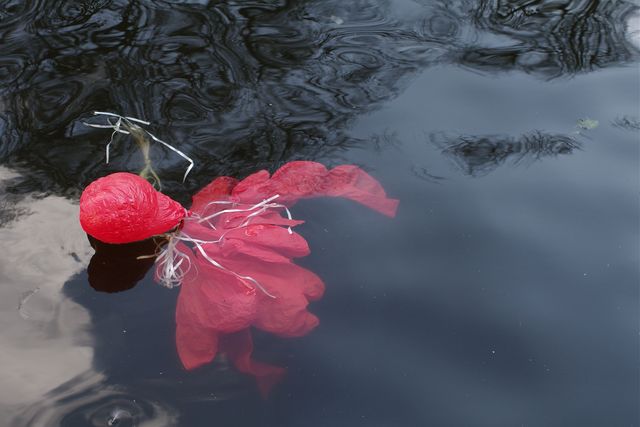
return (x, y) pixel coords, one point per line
(237, 248)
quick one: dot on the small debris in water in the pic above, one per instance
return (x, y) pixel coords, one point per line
(587, 124)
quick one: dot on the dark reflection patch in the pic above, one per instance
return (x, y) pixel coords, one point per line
(479, 155)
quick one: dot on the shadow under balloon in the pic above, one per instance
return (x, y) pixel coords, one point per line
(117, 268)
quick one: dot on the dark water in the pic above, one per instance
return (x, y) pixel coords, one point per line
(505, 293)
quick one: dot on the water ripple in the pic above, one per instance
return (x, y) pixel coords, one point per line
(85, 401)
(479, 155)
(240, 85)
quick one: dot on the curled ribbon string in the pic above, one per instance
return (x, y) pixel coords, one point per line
(171, 261)
(264, 205)
(124, 122)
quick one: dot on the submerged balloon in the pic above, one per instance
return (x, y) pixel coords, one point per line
(233, 255)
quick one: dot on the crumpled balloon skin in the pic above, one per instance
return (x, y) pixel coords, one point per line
(124, 208)
(215, 302)
(301, 180)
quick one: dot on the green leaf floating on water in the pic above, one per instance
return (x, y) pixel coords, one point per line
(587, 124)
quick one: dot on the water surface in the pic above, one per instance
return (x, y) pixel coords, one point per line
(504, 293)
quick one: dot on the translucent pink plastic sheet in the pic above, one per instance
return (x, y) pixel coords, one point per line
(258, 285)
(299, 180)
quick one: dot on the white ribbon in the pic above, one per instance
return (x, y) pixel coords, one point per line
(263, 206)
(125, 122)
(171, 261)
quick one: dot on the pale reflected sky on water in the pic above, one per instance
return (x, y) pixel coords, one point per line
(45, 336)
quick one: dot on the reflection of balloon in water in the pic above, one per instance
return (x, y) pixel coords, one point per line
(232, 252)
(117, 268)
